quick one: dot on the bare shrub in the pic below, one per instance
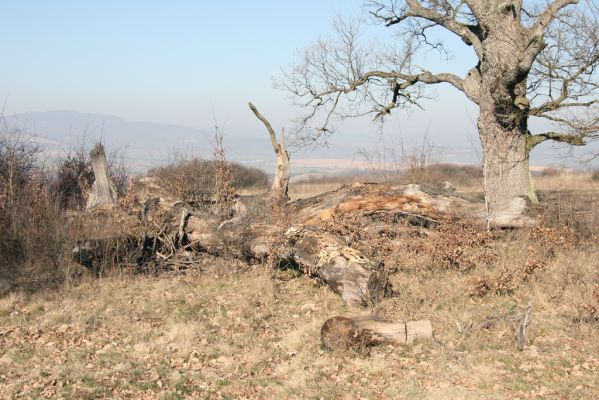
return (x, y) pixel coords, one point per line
(224, 189)
(462, 175)
(417, 163)
(577, 210)
(32, 226)
(192, 179)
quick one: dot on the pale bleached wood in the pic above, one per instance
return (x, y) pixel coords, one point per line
(103, 191)
(280, 185)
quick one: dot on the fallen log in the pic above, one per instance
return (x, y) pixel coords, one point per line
(422, 205)
(342, 333)
(344, 269)
(306, 242)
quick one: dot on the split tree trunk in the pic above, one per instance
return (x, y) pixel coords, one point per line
(281, 181)
(103, 191)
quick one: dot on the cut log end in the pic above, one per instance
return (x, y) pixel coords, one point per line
(342, 333)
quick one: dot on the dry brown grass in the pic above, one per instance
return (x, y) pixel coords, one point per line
(566, 180)
(464, 177)
(238, 333)
(230, 330)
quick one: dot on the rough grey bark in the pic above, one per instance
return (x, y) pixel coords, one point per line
(536, 59)
(103, 191)
(280, 185)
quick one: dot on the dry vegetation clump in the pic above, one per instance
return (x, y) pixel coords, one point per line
(531, 253)
(39, 213)
(403, 243)
(193, 179)
(458, 244)
(31, 222)
(576, 209)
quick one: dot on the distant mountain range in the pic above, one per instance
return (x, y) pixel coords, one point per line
(146, 144)
(150, 144)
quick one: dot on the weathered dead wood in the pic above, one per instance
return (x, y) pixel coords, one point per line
(422, 204)
(344, 269)
(281, 181)
(103, 191)
(314, 251)
(342, 333)
(181, 235)
(308, 244)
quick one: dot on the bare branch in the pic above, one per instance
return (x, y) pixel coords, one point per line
(549, 14)
(445, 17)
(271, 132)
(534, 140)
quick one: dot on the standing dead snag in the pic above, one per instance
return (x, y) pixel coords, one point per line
(281, 182)
(103, 191)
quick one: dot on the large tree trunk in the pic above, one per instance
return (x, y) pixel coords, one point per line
(506, 164)
(503, 120)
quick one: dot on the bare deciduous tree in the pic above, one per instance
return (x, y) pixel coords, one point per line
(536, 59)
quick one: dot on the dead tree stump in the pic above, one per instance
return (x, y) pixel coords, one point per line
(103, 191)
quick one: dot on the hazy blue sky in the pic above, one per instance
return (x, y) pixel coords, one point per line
(189, 62)
(167, 61)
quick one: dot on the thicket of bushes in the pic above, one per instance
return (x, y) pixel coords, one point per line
(36, 196)
(32, 223)
(36, 237)
(193, 179)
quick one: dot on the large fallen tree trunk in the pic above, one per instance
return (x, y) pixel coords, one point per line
(419, 204)
(305, 242)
